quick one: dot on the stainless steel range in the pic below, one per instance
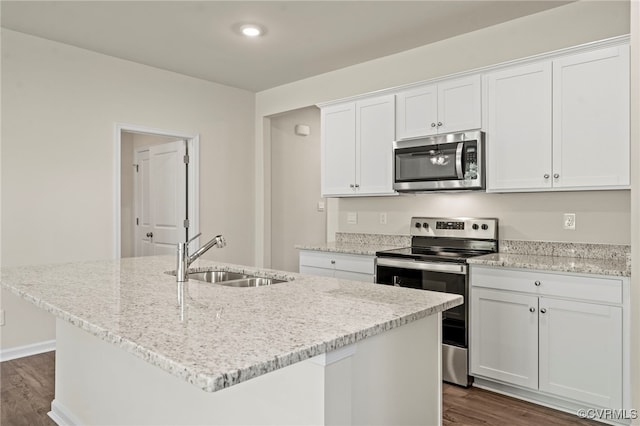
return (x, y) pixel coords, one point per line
(436, 261)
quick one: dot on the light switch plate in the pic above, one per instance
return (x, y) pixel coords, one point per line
(320, 206)
(352, 218)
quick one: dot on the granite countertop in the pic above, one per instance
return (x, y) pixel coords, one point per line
(221, 336)
(614, 267)
(347, 248)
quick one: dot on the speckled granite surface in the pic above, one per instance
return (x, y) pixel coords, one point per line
(602, 259)
(579, 250)
(614, 267)
(346, 248)
(365, 244)
(221, 336)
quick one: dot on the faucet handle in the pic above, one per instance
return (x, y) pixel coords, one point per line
(193, 238)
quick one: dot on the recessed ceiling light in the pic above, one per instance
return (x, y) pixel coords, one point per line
(251, 30)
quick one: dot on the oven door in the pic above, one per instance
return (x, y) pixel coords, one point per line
(443, 277)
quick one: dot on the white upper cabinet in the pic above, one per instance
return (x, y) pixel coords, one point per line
(560, 124)
(519, 127)
(591, 119)
(446, 107)
(338, 149)
(374, 144)
(357, 140)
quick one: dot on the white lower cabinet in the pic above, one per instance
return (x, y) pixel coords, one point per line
(539, 331)
(580, 350)
(505, 350)
(338, 265)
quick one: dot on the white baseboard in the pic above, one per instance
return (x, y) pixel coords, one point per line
(61, 415)
(27, 350)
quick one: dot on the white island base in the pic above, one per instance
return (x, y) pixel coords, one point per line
(391, 378)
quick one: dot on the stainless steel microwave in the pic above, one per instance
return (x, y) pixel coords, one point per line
(452, 161)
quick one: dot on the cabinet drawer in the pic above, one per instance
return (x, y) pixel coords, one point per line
(597, 289)
(338, 261)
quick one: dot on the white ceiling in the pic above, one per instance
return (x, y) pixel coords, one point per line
(304, 38)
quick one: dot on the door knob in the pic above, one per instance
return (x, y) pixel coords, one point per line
(546, 175)
(537, 283)
(556, 175)
(150, 234)
(439, 123)
(433, 124)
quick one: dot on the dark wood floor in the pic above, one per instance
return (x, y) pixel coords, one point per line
(27, 387)
(479, 407)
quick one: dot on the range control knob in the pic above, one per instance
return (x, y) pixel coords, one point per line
(425, 225)
(475, 226)
(418, 225)
(485, 227)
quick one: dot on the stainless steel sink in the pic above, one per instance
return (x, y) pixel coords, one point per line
(216, 276)
(251, 282)
(232, 279)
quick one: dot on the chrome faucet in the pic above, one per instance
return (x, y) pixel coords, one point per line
(184, 260)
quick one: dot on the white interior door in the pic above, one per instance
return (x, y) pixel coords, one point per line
(160, 198)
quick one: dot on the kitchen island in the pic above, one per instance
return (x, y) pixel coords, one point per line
(311, 350)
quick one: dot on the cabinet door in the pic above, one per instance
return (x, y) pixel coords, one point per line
(519, 128)
(504, 336)
(417, 112)
(581, 351)
(338, 149)
(374, 146)
(459, 106)
(591, 119)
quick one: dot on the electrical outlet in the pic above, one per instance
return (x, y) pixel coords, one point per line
(383, 218)
(569, 221)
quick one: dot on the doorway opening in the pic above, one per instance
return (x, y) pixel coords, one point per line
(296, 210)
(156, 190)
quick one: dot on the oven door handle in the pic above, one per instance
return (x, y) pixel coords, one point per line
(451, 268)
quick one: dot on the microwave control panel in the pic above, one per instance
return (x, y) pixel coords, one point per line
(471, 154)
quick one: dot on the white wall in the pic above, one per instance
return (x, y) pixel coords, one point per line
(523, 216)
(561, 27)
(59, 109)
(295, 187)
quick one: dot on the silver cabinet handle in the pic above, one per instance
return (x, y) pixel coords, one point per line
(543, 311)
(537, 283)
(150, 234)
(333, 262)
(532, 309)
(439, 123)
(546, 175)
(433, 124)
(556, 175)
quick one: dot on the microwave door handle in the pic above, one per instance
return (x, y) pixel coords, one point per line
(459, 160)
